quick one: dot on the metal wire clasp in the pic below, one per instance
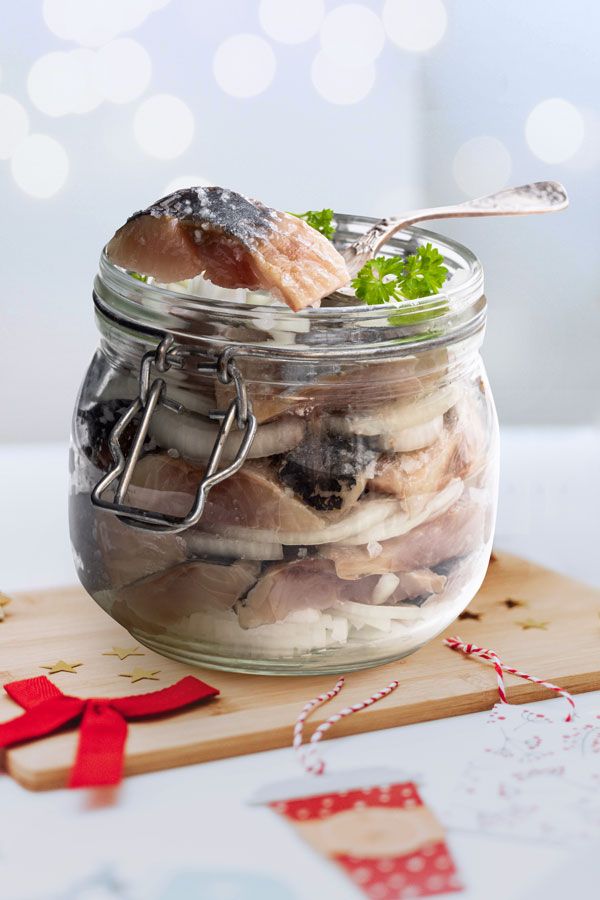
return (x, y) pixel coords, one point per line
(149, 397)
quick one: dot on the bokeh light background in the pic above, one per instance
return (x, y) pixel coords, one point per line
(371, 107)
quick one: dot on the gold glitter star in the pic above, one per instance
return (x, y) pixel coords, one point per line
(62, 666)
(532, 623)
(140, 674)
(510, 603)
(123, 652)
(4, 601)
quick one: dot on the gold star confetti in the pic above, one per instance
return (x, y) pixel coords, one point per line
(511, 603)
(140, 674)
(532, 623)
(467, 614)
(4, 601)
(62, 666)
(123, 652)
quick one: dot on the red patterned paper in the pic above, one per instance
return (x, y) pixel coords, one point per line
(388, 842)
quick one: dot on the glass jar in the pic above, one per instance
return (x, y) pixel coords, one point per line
(261, 490)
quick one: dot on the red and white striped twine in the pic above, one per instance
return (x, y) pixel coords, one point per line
(455, 643)
(311, 760)
(315, 765)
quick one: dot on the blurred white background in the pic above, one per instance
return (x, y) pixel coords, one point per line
(370, 107)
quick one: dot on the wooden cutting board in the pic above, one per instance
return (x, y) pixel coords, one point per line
(554, 634)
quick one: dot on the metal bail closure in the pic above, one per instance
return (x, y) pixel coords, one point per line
(238, 413)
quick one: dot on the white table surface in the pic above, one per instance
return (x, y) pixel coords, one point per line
(196, 818)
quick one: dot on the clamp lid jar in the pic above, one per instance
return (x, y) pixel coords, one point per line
(261, 490)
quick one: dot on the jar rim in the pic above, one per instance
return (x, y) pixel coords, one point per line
(459, 308)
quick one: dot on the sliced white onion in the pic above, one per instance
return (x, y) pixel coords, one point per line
(370, 614)
(198, 286)
(391, 418)
(384, 588)
(402, 522)
(194, 400)
(414, 438)
(194, 437)
(339, 629)
(365, 515)
(374, 549)
(282, 638)
(308, 615)
(123, 386)
(369, 632)
(214, 545)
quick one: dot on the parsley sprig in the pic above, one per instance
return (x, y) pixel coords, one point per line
(398, 278)
(319, 219)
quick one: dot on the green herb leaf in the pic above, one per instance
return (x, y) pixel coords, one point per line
(139, 277)
(379, 280)
(394, 278)
(319, 219)
(424, 273)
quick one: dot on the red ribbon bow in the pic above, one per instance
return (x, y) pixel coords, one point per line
(103, 731)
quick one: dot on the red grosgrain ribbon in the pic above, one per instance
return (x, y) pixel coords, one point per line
(455, 643)
(103, 722)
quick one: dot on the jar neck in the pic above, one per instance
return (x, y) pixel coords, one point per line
(134, 317)
(285, 367)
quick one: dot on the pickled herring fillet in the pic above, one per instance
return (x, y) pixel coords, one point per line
(256, 504)
(129, 554)
(364, 517)
(284, 588)
(234, 241)
(410, 515)
(328, 471)
(390, 420)
(312, 583)
(252, 498)
(163, 483)
(371, 519)
(457, 532)
(453, 455)
(422, 471)
(160, 600)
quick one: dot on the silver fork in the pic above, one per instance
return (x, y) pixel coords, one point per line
(526, 200)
